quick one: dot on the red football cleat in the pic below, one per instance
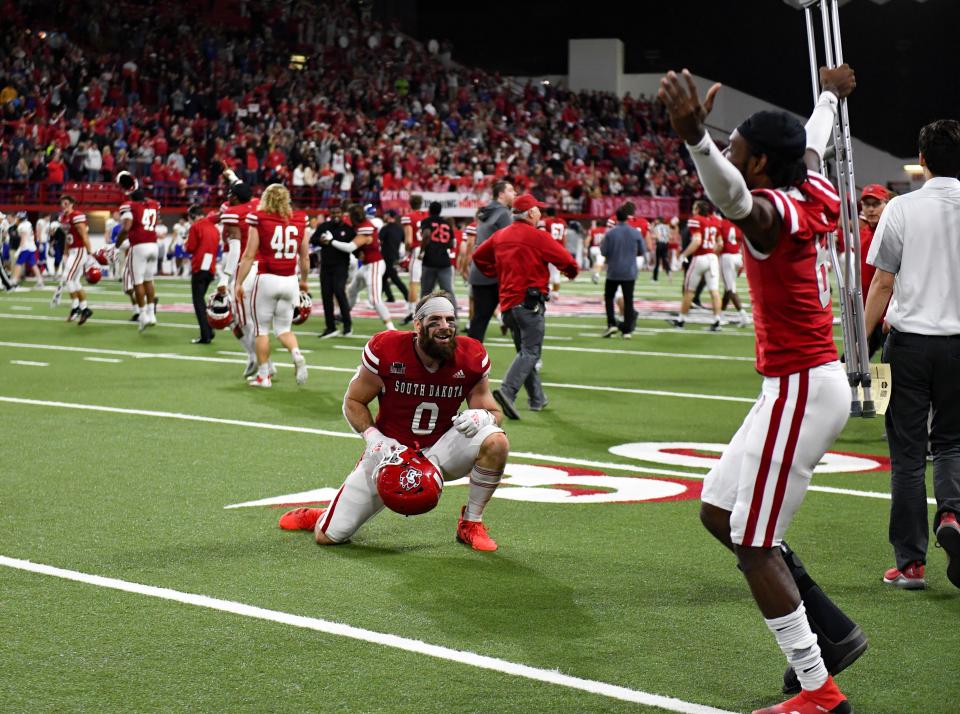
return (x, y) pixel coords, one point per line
(474, 534)
(301, 519)
(910, 578)
(826, 700)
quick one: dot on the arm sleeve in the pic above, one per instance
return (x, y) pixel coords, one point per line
(886, 250)
(721, 180)
(230, 259)
(343, 246)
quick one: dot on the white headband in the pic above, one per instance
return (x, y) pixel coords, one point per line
(434, 305)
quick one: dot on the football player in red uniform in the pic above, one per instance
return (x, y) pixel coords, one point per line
(731, 263)
(412, 240)
(233, 217)
(766, 183)
(138, 225)
(557, 228)
(420, 379)
(704, 264)
(277, 241)
(78, 253)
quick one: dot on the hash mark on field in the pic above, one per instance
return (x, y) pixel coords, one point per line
(108, 360)
(27, 363)
(338, 629)
(20, 307)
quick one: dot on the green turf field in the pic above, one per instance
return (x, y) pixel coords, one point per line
(121, 452)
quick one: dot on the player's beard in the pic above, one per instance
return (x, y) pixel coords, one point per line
(438, 350)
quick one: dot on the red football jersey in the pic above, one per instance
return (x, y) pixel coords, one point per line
(237, 216)
(790, 288)
(556, 227)
(708, 228)
(70, 222)
(731, 236)
(867, 271)
(417, 405)
(144, 215)
(596, 236)
(413, 220)
(280, 238)
(371, 251)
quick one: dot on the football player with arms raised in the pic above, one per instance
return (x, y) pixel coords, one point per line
(766, 183)
(277, 241)
(138, 226)
(420, 379)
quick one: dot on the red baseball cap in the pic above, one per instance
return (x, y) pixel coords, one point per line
(525, 202)
(875, 190)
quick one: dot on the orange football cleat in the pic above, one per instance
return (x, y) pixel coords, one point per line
(301, 519)
(474, 534)
(826, 700)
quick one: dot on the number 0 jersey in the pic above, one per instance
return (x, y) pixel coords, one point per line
(417, 405)
(279, 249)
(790, 288)
(144, 216)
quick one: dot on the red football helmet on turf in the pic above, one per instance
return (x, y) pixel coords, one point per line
(219, 311)
(101, 257)
(93, 274)
(408, 482)
(301, 311)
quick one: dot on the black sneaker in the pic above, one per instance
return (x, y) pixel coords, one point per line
(611, 331)
(74, 314)
(715, 327)
(329, 332)
(837, 656)
(679, 324)
(135, 317)
(408, 319)
(506, 405)
(85, 314)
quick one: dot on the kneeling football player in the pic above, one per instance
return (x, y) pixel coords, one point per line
(420, 379)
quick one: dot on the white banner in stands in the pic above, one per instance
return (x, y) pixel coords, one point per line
(456, 205)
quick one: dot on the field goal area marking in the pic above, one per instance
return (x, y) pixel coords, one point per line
(338, 629)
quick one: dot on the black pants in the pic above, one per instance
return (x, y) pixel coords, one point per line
(199, 283)
(390, 276)
(663, 257)
(333, 283)
(629, 313)
(485, 299)
(925, 375)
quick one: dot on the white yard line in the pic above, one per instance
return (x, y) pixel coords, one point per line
(339, 629)
(26, 363)
(597, 350)
(350, 435)
(351, 370)
(107, 360)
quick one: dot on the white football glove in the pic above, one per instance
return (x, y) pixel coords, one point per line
(472, 421)
(378, 445)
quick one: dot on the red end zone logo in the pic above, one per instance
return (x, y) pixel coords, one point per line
(539, 483)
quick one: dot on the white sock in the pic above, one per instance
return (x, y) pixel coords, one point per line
(247, 342)
(263, 371)
(389, 325)
(296, 354)
(83, 305)
(681, 318)
(799, 644)
(411, 306)
(75, 304)
(483, 482)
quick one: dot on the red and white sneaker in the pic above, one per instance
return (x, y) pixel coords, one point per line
(826, 700)
(474, 534)
(259, 381)
(301, 519)
(948, 538)
(910, 578)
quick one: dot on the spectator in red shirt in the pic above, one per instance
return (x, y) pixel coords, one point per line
(202, 244)
(518, 256)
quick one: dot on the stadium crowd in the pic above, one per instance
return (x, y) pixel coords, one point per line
(322, 97)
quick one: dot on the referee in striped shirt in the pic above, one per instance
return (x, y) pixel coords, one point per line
(916, 251)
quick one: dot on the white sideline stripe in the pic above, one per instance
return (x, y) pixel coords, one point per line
(108, 360)
(99, 321)
(595, 350)
(339, 629)
(351, 370)
(350, 435)
(27, 363)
